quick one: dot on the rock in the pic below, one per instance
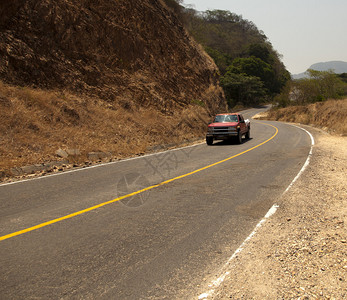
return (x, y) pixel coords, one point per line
(93, 156)
(16, 171)
(32, 169)
(155, 148)
(62, 153)
(99, 155)
(55, 163)
(73, 152)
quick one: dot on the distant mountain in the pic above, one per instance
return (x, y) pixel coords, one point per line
(337, 66)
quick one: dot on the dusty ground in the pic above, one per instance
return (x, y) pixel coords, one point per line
(35, 123)
(301, 251)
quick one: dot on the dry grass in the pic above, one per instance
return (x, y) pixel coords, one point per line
(330, 115)
(35, 123)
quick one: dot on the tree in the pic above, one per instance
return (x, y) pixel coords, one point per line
(242, 88)
(237, 46)
(260, 51)
(319, 86)
(221, 59)
(221, 16)
(253, 66)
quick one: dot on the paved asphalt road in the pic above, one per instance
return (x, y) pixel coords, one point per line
(164, 243)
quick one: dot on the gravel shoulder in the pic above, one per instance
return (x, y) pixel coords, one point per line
(301, 251)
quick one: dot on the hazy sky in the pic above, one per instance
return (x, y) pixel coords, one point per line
(303, 31)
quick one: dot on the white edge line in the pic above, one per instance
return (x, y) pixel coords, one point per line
(99, 165)
(307, 160)
(216, 283)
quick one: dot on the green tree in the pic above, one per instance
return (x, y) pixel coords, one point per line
(222, 60)
(255, 67)
(343, 77)
(279, 75)
(242, 88)
(219, 16)
(319, 86)
(260, 50)
(237, 46)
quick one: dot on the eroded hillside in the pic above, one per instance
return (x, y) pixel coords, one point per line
(100, 63)
(132, 50)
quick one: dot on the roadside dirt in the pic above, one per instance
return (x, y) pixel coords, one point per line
(301, 251)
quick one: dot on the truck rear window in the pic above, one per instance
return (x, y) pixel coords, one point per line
(225, 118)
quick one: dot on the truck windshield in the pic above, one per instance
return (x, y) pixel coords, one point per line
(225, 118)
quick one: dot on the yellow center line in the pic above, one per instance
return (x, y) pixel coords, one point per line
(131, 194)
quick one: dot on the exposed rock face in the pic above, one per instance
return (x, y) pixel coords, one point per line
(126, 51)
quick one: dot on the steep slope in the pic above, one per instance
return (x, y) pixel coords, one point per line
(123, 51)
(113, 76)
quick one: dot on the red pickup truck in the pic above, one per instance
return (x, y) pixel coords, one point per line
(227, 126)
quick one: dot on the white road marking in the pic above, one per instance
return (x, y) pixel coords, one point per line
(307, 160)
(216, 283)
(99, 165)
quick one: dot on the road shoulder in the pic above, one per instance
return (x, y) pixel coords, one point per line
(300, 252)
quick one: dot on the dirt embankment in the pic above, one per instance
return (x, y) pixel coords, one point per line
(115, 76)
(329, 115)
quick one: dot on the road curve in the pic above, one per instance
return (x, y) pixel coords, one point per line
(91, 234)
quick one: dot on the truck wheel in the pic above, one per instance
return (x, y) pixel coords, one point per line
(209, 140)
(239, 138)
(248, 134)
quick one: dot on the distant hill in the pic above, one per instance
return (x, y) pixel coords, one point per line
(240, 50)
(337, 66)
